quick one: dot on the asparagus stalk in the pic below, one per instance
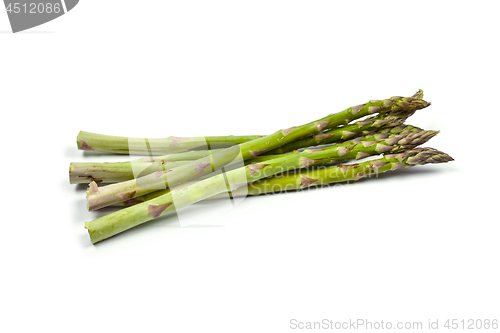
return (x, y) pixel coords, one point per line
(122, 171)
(184, 156)
(111, 194)
(347, 132)
(355, 149)
(399, 137)
(351, 131)
(157, 146)
(84, 172)
(296, 179)
(87, 172)
(112, 224)
(305, 178)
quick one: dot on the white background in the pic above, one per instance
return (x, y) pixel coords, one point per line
(413, 245)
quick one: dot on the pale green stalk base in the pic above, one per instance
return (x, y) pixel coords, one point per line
(157, 146)
(85, 173)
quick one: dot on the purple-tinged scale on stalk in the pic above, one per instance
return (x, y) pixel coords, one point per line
(395, 166)
(347, 134)
(367, 144)
(256, 153)
(306, 181)
(305, 162)
(390, 156)
(361, 155)
(347, 121)
(431, 160)
(380, 136)
(400, 157)
(254, 168)
(344, 150)
(380, 148)
(373, 109)
(156, 210)
(132, 202)
(414, 160)
(200, 167)
(286, 131)
(406, 140)
(322, 136)
(344, 169)
(360, 175)
(392, 141)
(377, 165)
(379, 123)
(424, 154)
(85, 146)
(357, 141)
(398, 129)
(364, 123)
(126, 196)
(387, 103)
(321, 125)
(355, 109)
(174, 140)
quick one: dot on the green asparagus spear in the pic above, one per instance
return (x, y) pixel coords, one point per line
(347, 132)
(85, 172)
(374, 136)
(112, 224)
(356, 149)
(351, 131)
(304, 178)
(144, 146)
(111, 194)
(359, 148)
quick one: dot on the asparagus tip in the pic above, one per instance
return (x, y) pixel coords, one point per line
(419, 94)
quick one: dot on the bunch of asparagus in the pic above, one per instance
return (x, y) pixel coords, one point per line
(176, 172)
